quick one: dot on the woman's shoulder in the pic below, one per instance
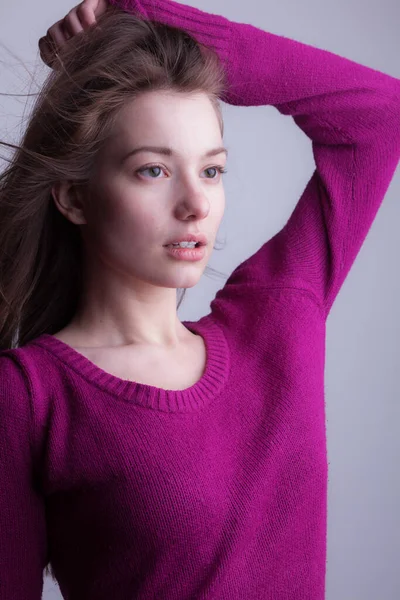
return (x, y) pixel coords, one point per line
(25, 390)
(14, 362)
(11, 368)
(15, 397)
(23, 372)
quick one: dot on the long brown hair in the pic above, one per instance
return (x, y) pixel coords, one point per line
(95, 73)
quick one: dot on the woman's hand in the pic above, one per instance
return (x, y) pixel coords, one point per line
(77, 20)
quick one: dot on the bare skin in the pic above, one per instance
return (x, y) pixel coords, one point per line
(175, 369)
(128, 327)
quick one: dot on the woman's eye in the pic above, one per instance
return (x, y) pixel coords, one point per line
(152, 169)
(218, 169)
(158, 169)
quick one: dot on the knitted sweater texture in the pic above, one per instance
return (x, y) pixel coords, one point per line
(217, 491)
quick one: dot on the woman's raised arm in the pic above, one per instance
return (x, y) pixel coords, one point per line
(350, 112)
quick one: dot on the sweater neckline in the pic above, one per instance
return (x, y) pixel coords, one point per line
(189, 399)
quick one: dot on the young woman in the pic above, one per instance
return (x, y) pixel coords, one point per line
(142, 457)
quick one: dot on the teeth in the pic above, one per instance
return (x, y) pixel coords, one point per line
(184, 245)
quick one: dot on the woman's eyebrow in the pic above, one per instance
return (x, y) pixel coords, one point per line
(169, 152)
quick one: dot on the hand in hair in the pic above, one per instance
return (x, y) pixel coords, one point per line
(77, 20)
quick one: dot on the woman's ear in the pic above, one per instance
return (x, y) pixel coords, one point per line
(68, 198)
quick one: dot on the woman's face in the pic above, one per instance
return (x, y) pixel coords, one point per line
(138, 202)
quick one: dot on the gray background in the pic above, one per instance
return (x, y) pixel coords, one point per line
(262, 188)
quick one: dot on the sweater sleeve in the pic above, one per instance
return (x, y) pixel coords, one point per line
(351, 114)
(22, 514)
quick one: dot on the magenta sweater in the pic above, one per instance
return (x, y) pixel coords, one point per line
(218, 491)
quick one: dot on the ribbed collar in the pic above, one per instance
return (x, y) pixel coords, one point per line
(190, 399)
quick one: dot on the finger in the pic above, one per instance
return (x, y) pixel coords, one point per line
(47, 51)
(72, 24)
(85, 12)
(67, 35)
(56, 34)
